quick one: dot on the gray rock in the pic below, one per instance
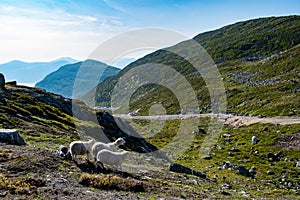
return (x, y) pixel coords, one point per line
(185, 170)
(227, 186)
(12, 83)
(252, 170)
(235, 149)
(2, 81)
(230, 153)
(11, 136)
(243, 171)
(298, 164)
(274, 157)
(270, 172)
(207, 157)
(240, 169)
(254, 139)
(225, 135)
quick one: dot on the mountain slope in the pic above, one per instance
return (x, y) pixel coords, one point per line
(253, 39)
(62, 81)
(46, 121)
(31, 73)
(245, 49)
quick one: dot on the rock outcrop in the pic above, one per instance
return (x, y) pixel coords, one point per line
(2, 81)
(11, 136)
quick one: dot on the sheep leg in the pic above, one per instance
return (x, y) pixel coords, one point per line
(101, 165)
(75, 158)
(87, 156)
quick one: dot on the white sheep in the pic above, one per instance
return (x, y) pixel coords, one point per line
(254, 140)
(112, 146)
(80, 148)
(110, 158)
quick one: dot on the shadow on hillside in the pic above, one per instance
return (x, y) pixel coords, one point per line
(89, 167)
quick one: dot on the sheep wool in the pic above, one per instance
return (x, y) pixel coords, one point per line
(112, 146)
(111, 158)
(80, 148)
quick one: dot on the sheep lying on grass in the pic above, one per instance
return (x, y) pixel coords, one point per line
(112, 146)
(110, 158)
(80, 148)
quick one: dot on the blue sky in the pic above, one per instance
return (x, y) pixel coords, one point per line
(48, 29)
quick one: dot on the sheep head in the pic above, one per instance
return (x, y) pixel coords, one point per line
(120, 142)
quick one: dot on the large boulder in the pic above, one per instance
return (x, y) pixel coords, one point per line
(2, 81)
(185, 170)
(11, 136)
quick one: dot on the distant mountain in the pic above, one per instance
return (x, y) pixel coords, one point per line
(79, 77)
(258, 60)
(31, 72)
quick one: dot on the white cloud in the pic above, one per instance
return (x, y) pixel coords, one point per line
(30, 34)
(115, 6)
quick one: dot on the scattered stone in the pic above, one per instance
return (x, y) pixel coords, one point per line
(11, 136)
(265, 128)
(235, 149)
(240, 169)
(244, 193)
(252, 170)
(61, 181)
(3, 194)
(226, 164)
(207, 157)
(274, 157)
(254, 140)
(298, 164)
(181, 169)
(2, 81)
(226, 135)
(227, 186)
(219, 147)
(225, 193)
(270, 172)
(243, 171)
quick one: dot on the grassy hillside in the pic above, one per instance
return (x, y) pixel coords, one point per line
(45, 121)
(253, 39)
(247, 54)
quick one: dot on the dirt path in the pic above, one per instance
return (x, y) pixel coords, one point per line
(238, 121)
(229, 119)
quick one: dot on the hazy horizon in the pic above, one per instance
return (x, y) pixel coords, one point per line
(46, 30)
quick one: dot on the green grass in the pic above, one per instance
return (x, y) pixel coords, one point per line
(255, 49)
(249, 155)
(111, 182)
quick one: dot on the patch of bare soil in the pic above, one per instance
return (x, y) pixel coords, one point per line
(238, 121)
(289, 142)
(30, 172)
